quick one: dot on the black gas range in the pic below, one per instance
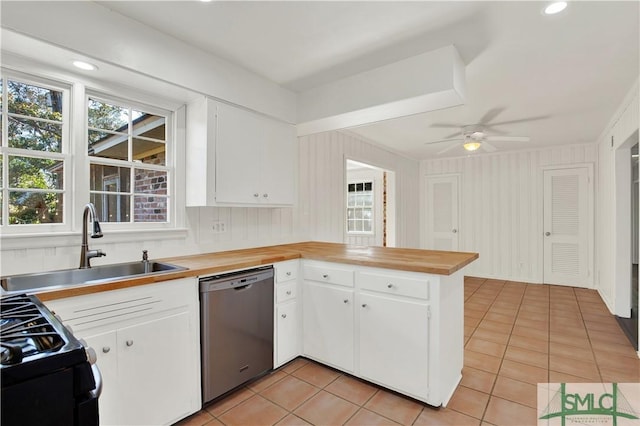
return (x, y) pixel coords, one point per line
(48, 376)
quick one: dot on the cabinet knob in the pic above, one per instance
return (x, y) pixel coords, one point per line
(106, 349)
(346, 300)
(547, 234)
(364, 305)
(325, 276)
(288, 273)
(389, 285)
(256, 195)
(265, 195)
(288, 292)
(454, 230)
(284, 315)
(129, 342)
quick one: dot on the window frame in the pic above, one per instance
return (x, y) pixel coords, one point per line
(114, 98)
(65, 155)
(372, 207)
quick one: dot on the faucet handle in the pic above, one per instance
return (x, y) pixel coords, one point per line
(145, 257)
(100, 253)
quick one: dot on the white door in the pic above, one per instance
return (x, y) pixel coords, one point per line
(442, 212)
(568, 220)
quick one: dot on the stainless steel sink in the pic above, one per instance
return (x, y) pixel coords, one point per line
(45, 281)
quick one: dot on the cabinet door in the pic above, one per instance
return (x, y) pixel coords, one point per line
(279, 164)
(286, 332)
(328, 324)
(238, 155)
(106, 349)
(152, 358)
(393, 338)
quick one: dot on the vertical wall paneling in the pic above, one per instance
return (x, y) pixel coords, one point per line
(322, 179)
(501, 207)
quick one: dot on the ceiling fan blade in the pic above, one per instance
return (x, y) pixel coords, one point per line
(447, 149)
(490, 115)
(521, 120)
(488, 147)
(446, 125)
(507, 138)
(442, 140)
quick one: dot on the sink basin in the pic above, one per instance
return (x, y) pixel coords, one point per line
(58, 279)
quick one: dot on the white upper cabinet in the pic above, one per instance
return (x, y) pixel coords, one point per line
(238, 157)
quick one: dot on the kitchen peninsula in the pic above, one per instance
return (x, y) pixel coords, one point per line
(391, 316)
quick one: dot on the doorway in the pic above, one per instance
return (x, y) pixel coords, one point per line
(630, 324)
(370, 205)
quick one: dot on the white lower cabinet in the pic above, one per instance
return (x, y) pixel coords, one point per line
(328, 324)
(287, 346)
(147, 344)
(287, 313)
(393, 343)
(401, 330)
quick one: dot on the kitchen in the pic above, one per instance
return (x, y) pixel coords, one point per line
(31, 45)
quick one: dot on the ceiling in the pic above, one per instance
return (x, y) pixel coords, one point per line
(568, 72)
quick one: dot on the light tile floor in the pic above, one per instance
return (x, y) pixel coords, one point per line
(516, 335)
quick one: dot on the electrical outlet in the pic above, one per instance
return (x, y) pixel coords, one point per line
(219, 227)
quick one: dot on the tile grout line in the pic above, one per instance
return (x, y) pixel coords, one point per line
(484, 412)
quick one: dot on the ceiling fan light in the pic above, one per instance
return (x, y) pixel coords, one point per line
(471, 145)
(555, 7)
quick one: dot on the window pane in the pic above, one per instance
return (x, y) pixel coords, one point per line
(367, 186)
(150, 209)
(102, 115)
(367, 226)
(1, 92)
(150, 182)
(109, 178)
(149, 125)
(148, 152)
(1, 181)
(351, 226)
(35, 173)
(108, 145)
(34, 101)
(34, 207)
(111, 207)
(35, 134)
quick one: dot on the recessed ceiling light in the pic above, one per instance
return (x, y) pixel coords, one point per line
(84, 66)
(555, 7)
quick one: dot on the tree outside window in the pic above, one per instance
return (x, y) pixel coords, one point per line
(32, 153)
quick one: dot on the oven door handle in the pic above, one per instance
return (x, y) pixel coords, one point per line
(97, 377)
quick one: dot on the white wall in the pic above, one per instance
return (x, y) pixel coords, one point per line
(322, 180)
(501, 207)
(612, 265)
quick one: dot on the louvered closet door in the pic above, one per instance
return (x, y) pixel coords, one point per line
(567, 224)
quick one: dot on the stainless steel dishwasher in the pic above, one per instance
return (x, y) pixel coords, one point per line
(236, 312)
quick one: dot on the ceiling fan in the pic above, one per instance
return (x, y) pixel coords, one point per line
(475, 136)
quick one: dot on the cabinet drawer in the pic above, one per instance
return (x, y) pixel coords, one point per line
(327, 274)
(392, 284)
(285, 292)
(286, 272)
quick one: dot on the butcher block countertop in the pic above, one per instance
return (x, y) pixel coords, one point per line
(414, 260)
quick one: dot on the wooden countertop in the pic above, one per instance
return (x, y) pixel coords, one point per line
(414, 260)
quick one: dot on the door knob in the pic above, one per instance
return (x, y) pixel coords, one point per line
(547, 233)
(454, 230)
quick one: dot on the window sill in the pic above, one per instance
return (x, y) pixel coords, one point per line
(73, 239)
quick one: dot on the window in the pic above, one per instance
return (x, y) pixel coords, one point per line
(33, 153)
(129, 168)
(360, 207)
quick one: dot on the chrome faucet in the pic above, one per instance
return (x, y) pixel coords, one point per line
(86, 254)
(146, 262)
